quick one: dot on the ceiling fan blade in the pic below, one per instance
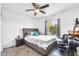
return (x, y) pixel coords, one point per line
(34, 5)
(47, 5)
(29, 9)
(42, 12)
(35, 13)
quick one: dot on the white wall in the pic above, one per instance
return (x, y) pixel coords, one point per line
(67, 20)
(0, 28)
(40, 24)
(11, 24)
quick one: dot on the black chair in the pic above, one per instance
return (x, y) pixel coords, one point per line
(74, 44)
(63, 45)
(67, 47)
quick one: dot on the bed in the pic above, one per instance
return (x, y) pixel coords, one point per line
(42, 43)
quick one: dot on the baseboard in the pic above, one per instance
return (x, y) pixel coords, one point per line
(9, 44)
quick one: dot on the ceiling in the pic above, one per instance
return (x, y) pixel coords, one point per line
(53, 8)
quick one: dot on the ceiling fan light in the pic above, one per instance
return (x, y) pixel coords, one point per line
(37, 11)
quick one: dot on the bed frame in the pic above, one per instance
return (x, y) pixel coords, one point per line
(35, 47)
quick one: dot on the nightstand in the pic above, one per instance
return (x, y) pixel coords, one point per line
(19, 42)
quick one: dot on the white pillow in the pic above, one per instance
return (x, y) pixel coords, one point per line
(31, 33)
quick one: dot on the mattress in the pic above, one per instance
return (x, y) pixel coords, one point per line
(41, 40)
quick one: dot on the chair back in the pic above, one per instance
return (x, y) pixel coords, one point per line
(65, 38)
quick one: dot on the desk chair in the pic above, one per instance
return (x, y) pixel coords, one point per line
(63, 45)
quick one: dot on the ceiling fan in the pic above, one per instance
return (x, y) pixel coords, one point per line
(37, 8)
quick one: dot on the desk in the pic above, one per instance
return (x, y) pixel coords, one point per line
(76, 33)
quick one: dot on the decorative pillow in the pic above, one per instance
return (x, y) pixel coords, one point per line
(36, 33)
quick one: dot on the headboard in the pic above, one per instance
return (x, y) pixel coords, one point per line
(26, 30)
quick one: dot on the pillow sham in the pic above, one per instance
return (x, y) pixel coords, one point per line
(36, 34)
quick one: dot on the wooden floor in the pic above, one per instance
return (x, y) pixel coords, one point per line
(25, 51)
(19, 51)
